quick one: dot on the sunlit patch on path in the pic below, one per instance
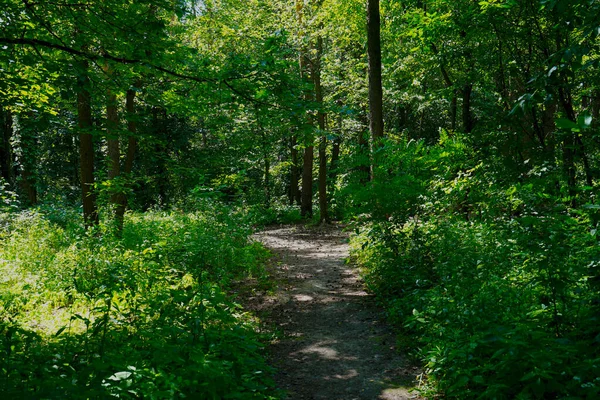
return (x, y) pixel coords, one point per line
(335, 343)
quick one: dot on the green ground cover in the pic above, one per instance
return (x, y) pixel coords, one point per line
(86, 315)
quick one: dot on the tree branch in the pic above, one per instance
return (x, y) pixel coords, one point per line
(122, 60)
(95, 57)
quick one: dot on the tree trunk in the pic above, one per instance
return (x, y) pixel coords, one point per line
(453, 110)
(266, 160)
(294, 173)
(267, 180)
(335, 160)
(569, 147)
(324, 215)
(306, 209)
(160, 150)
(589, 175)
(75, 176)
(449, 85)
(307, 182)
(29, 157)
(132, 128)
(466, 111)
(128, 167)
(307, 175)
(114, 151)
(86, 150)
(6, 153)
(375, 86)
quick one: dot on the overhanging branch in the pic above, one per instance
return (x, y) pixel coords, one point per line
(130, 61)
(95, 57)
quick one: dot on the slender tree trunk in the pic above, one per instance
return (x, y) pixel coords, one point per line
(29, 157)
(114, 150)
(266, 160)
(453, 110)
(86, 150)
(466, 111)
(307, 182)
(132, 129)
(569, 147)
(324, 215)
(596, 105)
(589, 175)
(449, 84)
(501, 84)
(114, 157)
(294, 173)
(267, 164)
(28, 186)
(75, 176)
(131, 147)
(307, 173)
(537, 128)
(375, 86)
(569, 167)
(160, 157)
(6, 153)
(306, 207)
(334, 164)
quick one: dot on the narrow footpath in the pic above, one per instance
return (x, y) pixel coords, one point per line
(334, 343)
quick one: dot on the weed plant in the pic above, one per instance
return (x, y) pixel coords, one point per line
(84, 315)
(496, 281)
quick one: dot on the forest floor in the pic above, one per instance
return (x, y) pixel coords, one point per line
(333, 342)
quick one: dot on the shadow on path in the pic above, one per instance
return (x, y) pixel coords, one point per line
(335, 344)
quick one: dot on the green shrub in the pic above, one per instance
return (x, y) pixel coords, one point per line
(148, 316)
(497, 283)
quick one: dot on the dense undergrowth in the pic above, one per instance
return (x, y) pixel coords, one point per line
(496, 279)
(87, 315)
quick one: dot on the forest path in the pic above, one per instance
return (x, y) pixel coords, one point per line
(334, 343)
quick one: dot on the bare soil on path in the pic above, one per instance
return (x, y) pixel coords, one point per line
(334, 342)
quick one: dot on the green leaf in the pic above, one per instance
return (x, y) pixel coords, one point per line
(584, 120)
(565, 123)
(61, 330)
(119, 376)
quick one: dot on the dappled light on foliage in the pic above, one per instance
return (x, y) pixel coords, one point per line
(143, 143)
(148, 316)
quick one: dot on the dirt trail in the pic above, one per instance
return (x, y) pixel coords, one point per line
(334, 343)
